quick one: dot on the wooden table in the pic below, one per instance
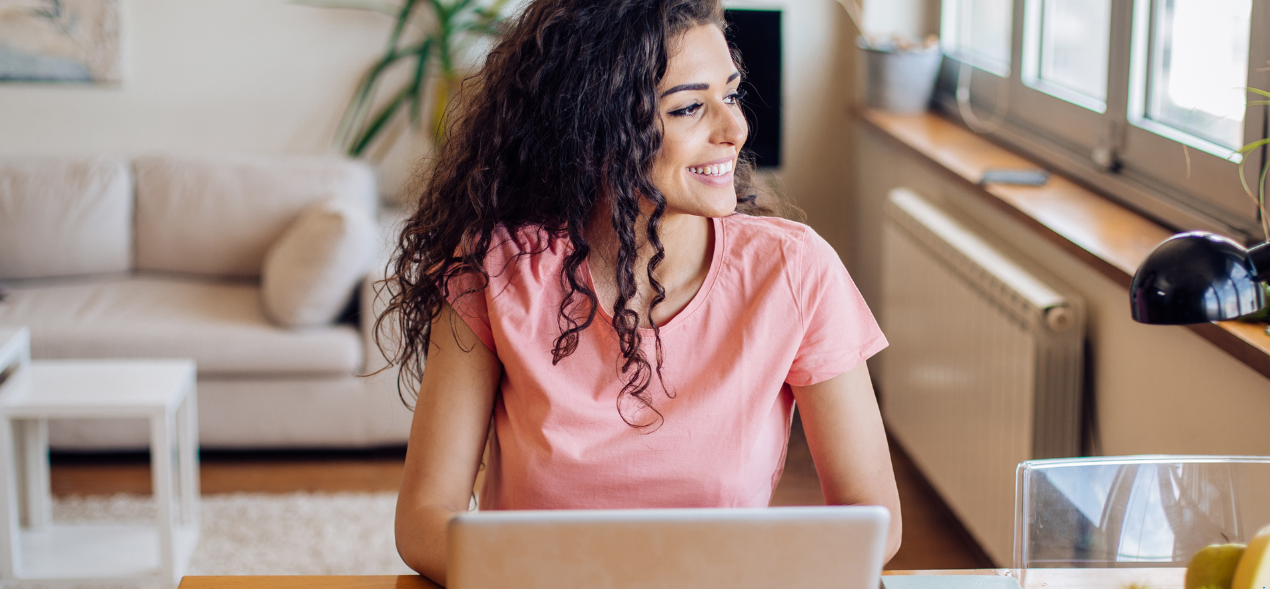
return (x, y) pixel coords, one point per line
(1152, 578)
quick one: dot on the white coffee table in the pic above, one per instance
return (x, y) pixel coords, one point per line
(161, 391)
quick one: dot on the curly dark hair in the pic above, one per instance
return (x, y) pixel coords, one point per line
(562, 118)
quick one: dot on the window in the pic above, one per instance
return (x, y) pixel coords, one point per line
(1198, 56)
(978, 31)
(1145, 99)
(1069, 58)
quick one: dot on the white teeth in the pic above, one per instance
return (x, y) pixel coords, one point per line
(715, 170)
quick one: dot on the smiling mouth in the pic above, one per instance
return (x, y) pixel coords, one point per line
(714, 170)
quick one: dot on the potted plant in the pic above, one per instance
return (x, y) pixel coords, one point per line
(428, 39)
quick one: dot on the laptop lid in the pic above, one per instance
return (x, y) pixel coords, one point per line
(805, 547)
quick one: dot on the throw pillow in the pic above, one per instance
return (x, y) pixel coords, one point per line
(311, 270)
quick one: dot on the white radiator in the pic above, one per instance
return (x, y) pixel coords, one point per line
(984, 369)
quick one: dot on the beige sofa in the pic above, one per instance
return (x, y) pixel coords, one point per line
(248, 265)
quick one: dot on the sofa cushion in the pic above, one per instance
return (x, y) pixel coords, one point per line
(64, 216)
(311, 271)
(220, 324)
(218, 216)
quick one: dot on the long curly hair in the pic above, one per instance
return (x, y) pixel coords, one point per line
(562, 119)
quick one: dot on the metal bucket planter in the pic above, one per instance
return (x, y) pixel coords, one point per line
(899, 80)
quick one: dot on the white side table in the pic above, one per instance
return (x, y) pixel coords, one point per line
(162, 391)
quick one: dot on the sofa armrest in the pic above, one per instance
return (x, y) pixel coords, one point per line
(373, 303)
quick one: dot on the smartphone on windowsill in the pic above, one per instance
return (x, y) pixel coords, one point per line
(1032, 177)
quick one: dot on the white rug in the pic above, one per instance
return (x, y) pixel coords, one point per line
(259, 534)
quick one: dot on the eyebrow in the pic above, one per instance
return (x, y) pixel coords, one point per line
(697, 85)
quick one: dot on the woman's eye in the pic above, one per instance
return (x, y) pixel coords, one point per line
(735, 97)
(687, 111)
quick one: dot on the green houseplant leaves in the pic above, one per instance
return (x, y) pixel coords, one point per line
(428, 38)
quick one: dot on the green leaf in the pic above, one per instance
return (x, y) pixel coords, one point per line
(380, 6)
(479, 28)
(362, 99)
(1243, 180)
(1261, 195)
(414, 50)
(454, 23)
(379, 122)
(1258, 91)
(403, 17)
(1254, 145)
(421, 74)
(440, 9)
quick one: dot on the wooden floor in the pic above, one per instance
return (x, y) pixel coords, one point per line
(933, 538)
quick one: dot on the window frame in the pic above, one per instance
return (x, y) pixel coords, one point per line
(950, 39)
(1030, 60)
(1077, 127)
(1119, 152)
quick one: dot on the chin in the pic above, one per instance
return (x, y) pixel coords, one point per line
(723, 206)
(723, 211)
(701, 201)
(710, 209)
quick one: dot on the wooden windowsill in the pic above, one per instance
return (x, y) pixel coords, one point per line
(1110, 238)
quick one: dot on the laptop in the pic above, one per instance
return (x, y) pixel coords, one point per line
(803, 547)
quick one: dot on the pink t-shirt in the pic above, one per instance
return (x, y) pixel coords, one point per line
(777, 308)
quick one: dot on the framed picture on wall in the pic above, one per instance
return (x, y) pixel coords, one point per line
(60, 41)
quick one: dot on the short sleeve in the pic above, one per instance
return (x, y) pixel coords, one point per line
(468, 299)
(839, 332)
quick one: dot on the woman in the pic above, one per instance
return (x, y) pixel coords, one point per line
(582, 270)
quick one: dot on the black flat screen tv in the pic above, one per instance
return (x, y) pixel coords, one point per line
(756, 35)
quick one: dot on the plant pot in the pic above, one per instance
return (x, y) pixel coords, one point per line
(900, 81)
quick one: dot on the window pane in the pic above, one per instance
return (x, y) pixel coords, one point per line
(1200, 67)
(982, 31)
(1074, 39)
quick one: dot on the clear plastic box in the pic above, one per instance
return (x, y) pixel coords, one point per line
(1135, 511)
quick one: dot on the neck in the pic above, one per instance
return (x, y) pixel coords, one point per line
(688, 244)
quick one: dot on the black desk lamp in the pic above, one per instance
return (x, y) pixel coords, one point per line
(1199, 277)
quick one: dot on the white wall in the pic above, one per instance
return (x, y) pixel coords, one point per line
(213, 76)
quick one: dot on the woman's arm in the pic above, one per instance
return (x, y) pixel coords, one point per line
(447, 438)
(848, 444)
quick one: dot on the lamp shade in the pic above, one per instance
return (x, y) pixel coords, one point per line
(1198, 277)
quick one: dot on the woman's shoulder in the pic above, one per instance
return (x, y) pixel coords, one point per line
(529, 253)
(751, 234)
(772, 246)
(513, 245)
(526, 239)
(769, 229)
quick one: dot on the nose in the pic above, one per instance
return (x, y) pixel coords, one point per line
(730, 127)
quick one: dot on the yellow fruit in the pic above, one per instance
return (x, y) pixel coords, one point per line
(1213, 567)
(1253, 571)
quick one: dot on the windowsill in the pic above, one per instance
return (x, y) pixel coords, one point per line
(1110, 238)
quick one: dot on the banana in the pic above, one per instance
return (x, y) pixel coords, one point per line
(1253, 571)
